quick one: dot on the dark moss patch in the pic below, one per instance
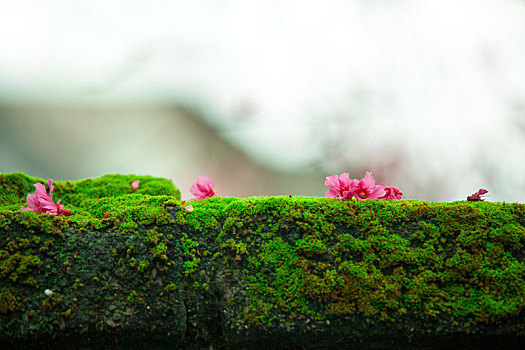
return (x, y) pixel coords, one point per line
(8, 302)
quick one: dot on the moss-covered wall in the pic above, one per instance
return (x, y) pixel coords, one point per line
(289, 271)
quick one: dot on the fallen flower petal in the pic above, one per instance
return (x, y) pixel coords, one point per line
(135, 185)
(203, 188)
(189, 207)
(41, 202)
(476, 197)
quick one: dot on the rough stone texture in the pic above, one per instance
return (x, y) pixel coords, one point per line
(287, 272)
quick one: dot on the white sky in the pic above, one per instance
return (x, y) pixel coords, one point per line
(442, 77)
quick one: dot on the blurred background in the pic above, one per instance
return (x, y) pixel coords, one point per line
(268, 97)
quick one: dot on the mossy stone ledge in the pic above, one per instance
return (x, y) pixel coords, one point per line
(135, 269)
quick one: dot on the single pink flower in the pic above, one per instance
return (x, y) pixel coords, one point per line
(340, 186)
(476, 197)
(135, 185)
(203, 188)
(367, 188)
(41, 202)
(189, 207)
(392, 192)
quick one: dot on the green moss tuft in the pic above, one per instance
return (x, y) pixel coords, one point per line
(14, 187)
(8, 302)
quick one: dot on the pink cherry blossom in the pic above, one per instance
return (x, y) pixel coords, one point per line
(340, 186)
(392, 192)
(41, 202)
(367, 188)
(135, 185)
(343, 187)
(203, 188)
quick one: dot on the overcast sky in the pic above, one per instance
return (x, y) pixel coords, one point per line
(293, 82)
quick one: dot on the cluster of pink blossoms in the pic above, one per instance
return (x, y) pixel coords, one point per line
(41, 202)
(340, 187)
(343, 187)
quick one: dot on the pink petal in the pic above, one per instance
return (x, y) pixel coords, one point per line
(377, 192)
(396, 193)
(135, 185)
(40, 189)
(65, 212)
(332, 181)
(203, 188)
(51, 187)
(194, 189)
(344, 179)
(41, 202)
(368, 180)
(348, 194)
(205, 181)
(189, 207)
(32, 201)
(338, 185)
(48, 206)
(331, 194)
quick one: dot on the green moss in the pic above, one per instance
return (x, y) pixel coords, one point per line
(153, 235)
(30, 281)
(8, 302)
(52, 301)
(238, 248)
(107, 201)
(159, 251)
(189, 248)
(14, 265)
(190, 266)
(170, 287)
(126, 212)
(143, 265)
(77, 284)
(14, 187)
(133, 297)
(322, 257)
